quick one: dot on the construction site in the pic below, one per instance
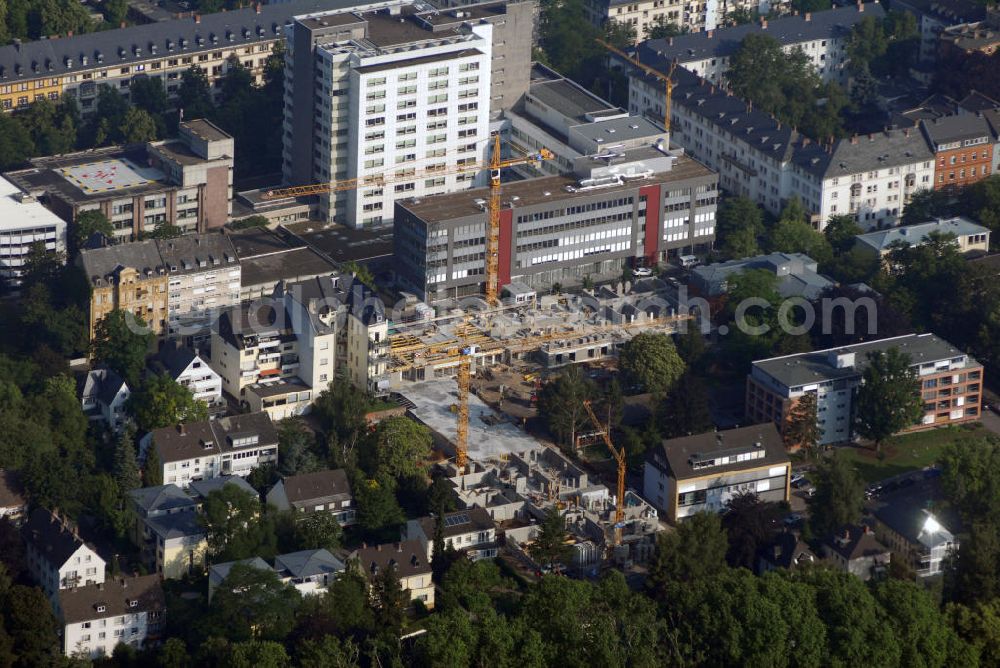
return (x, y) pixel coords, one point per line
(471, 378)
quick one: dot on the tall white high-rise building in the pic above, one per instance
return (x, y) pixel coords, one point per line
(394, 91)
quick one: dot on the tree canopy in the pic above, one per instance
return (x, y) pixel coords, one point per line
(121, 341)
(650, 360)
(889, 398)
(160, 402)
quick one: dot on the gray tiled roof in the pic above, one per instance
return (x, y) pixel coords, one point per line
(81, 604)
(202, 488)
(796, 273)
(219, 572)
(956, 128)
(99, 263)
(681, 453)
(176, 525)
(135, 44)
(879, 150)
(408, 558)
(187, 253)
(309, 489)
(881, 240)
(307, 563)
(161, 497)
(724, 42)
(54, 540)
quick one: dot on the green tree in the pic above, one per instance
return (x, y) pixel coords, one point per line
(971, 477)
(52, 131)
(840, 231)
(115, 11)
(651, 360)
(194, 95)
(390, 601)
(561, 402)
(402, 447)
(250, 222)
(695, 551)
(801, 429)
(925, 638)
(253, 604)
(740, 224)
(173, 654)
(342, 411)
(838, 498)
(138, 127)
(16, 145)
(318, 530)
(121, 341)
(295, 448)
(258, 654)
(360, 272)
(661, 28)
(160, 402)
(152, 471)
(549, 546)
(378, 511)
(89, 223)
(41, 266)
(236, 527)
(978, 625)
(328, 652)
(685, 410)
(792, 234)
(126, 470)
(749, 523)
(925, 205)
(889, 397)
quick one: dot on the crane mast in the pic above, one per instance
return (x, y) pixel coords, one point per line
(619, 456)
(667, 78)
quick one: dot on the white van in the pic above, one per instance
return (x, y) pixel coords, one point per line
(688, 261)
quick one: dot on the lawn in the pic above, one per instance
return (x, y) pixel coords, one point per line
(909, 452)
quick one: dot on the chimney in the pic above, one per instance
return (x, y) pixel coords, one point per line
(867, 530)
(670, 41)
(197, 18)
(122, 25)
(809, 16)
(861, 6)
(763, 24)
(854, 139)
(258, 8)
(181, 429)
(805, 141)
(69, 33)
(710, 34)
(399, 547)
(847, 534)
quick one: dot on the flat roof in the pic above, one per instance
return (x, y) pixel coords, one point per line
(569, 99)
(285, 386)
(490, 437)
(23, 215)
(293, 264)
(815, 367)
(423, 60)
(260, 241)
(616, 130)
(111, 174)
(345, 244)
(206, 130)
(532, 192)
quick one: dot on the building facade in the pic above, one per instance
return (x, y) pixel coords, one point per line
(126, 610)
(643, 15)
(692, 474)
(471, 531)
(24, 225)
(77, 65)
(188, 369)
(410, 562)
(127, 277)
(185, 182)
(620, 209)
(57, 557)
(963, 149)
(318, 492)
(821, 36)
(968, 236)
(951, 384)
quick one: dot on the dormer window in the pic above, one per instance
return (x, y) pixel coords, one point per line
(101, 607)
(133, 603)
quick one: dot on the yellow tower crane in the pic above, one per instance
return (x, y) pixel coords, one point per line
(495, 165)
(619, 455)
(667, 78)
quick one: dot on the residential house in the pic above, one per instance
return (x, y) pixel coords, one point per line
(218, 573)
(916, 536)
(321, 491)
(200, 489)
(57, 557)
(181, 544)
(969, 237)
(471, 531)
(309, 571)
(784, 551)
(104, 397)
(157, 501)
(232, 445)
(13, 502)
(950, 382)
(934, 16)
(97, 617)
(692, 474)
(855, 550)
(187, 368)
(408, 558)
(797, 274)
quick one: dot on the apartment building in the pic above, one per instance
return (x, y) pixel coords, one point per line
(968, 38)
(951, 384)
(317, 492)
(934, 16)
(969, 237)
(185, 182)
(126, 610)
(701, 473)
(277, 354)
(916, 536)
(756, 156)
(618, 209)
(397, 92)
(558, 114)
(127, 277)
(24, 225)
(643, 15)
(77, 65)
(204, 278)
(821, 36)
(963, 149)
(232, 445)
(470, 531)
(56, 556)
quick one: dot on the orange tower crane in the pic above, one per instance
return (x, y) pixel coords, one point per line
(667, 78)
(495, 165)
(619, 455)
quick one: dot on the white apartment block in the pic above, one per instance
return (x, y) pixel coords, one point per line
(643, 15)
(232, 445)
(25, 223)
(96, 618)
(189, 370)
(386, 93)
(821, 36)
(871, 177)
(57, 557)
